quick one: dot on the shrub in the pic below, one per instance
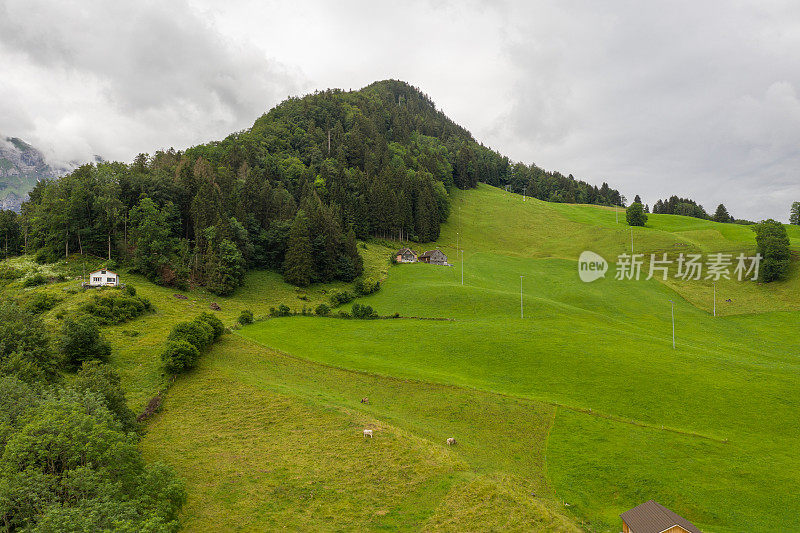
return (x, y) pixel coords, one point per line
(322, 310)
(9, 273)
(367, 286)
(34, 280)
(104, 380)
(192, 332)
(341, 297)
(179, 355)
(246, 317)
(81, 341)
(213, 321)
(188, 339)
(41, 257)
(363, 312)
(282, 310)
(115, 307)
(208, 330)
(41, 302)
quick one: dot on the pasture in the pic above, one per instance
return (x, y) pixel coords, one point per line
(564, 418)
(703, 428)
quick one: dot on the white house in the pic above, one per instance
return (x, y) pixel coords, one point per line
(103, 278)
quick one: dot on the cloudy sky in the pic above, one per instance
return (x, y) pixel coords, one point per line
(698, 99)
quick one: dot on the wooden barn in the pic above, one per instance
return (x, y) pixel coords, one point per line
(103, 278)
(652, 517)
(434, 257)
(406, 255)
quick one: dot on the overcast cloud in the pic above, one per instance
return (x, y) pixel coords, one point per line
(698, 99)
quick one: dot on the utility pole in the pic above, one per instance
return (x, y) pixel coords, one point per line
(673, 324)
(462, 268)
(616, 213)
(524, 191)
(521, 309)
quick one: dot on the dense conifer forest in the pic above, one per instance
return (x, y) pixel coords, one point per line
(293, 193)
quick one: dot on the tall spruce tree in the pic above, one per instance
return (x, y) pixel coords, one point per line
(721, 214)
(794, 215)
(298, 267)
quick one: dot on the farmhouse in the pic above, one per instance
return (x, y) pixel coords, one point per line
(406, 255)
(652, 517)
(434, 257)
(103, 278)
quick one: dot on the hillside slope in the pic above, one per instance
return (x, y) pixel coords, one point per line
(563, 419)
(635, 419)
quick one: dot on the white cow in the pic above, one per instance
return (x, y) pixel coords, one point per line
(451, 441)
(368, 433)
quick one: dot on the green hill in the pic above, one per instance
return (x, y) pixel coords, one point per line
(635, 419)
(563, 419)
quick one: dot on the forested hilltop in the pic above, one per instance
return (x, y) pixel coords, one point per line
(292, 193)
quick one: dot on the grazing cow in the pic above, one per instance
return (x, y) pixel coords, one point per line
(365, 400)
(368, 433)
(451, 441)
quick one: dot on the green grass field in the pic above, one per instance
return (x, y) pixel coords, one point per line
(564, 418)
(703, 428)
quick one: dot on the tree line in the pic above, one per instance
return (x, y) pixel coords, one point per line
(293, 193)
(675, 205)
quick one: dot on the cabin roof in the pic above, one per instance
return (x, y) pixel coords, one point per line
(103, 270)
(652, 517)
(431, 252)
(401, 251)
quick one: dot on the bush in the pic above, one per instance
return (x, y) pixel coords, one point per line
(113, 306)
(81, 341)
(179, 355)
(192, 332)
(282, 310)
(213, 321)
(363, 312)
(34, 280)
(41, 302)
(341, 297)
(188, 339)
(246, 317)
(322, 310)
(104, 380)
(9, 273)
(367, 286)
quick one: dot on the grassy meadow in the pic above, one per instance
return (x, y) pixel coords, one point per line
(563, 418)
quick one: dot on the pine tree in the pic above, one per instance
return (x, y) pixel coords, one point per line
(794, 216)
(722, 215)
(298, 265)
